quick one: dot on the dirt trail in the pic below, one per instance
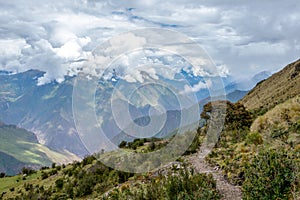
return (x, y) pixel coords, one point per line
(227, 190)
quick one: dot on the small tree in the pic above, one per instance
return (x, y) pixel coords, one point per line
(2, 175)
(59, 183)
(236, 115)
(152, 146)
(123, 144)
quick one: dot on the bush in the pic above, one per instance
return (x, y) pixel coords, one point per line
(88, 160)
(237, 117)
(58, 168)
(27, 171)
(184, 185)
(254, 138)
(44, 175)
(85, 186)
(152, 146)
(59, 183)
(269, 176)
(53, 172)
(296, 127)
(2, 175)
(53, 165)
(44, 168)
(123, 144)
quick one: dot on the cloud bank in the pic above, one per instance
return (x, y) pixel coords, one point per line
(242, 37)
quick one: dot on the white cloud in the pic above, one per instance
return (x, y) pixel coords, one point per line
(72, 49)
(53, 35)
(223, 70)
(197, 87)
(10, 51)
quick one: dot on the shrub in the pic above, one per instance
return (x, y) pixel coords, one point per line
(44, 168)
(254, 138)
(123, 144)
(278, 132)
(88, 160)
(184, 185)
(28, 187)
(53, 172)
(59, 183)
(296, 127)
(269, 176)
(53, 165)
(2, 175)
(86, 185)
(152, 146)
(44, 175)
(237, 117)
(27, 171)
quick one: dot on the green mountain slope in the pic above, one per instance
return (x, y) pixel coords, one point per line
(10, 165)
(281, 124)
(20, 148)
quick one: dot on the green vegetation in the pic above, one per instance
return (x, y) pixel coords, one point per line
(281, 124)
(17, 181)
(263, 156)
(270, 175)
(75, 180)
(231, 150)
(20, 148)
(91, 179)
(184, 184)
(144, 144)
(258, 150)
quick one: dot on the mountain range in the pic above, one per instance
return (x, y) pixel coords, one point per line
(46, 110)
(249, 146)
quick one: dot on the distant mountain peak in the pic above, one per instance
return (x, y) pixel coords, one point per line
(261, 76)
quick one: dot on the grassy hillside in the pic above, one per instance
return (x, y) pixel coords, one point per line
(262, 156)
(90, 179)
(282, 123)
(275, 90)
(265, 167)
(20, 148)
(259, 154)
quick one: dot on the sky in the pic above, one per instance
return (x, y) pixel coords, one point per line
(241, 37)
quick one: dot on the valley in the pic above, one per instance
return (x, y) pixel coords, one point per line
(252, 136)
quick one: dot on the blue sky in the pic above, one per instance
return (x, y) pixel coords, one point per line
(242, 37)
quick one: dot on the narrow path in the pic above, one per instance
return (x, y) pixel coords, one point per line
(227, 190)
